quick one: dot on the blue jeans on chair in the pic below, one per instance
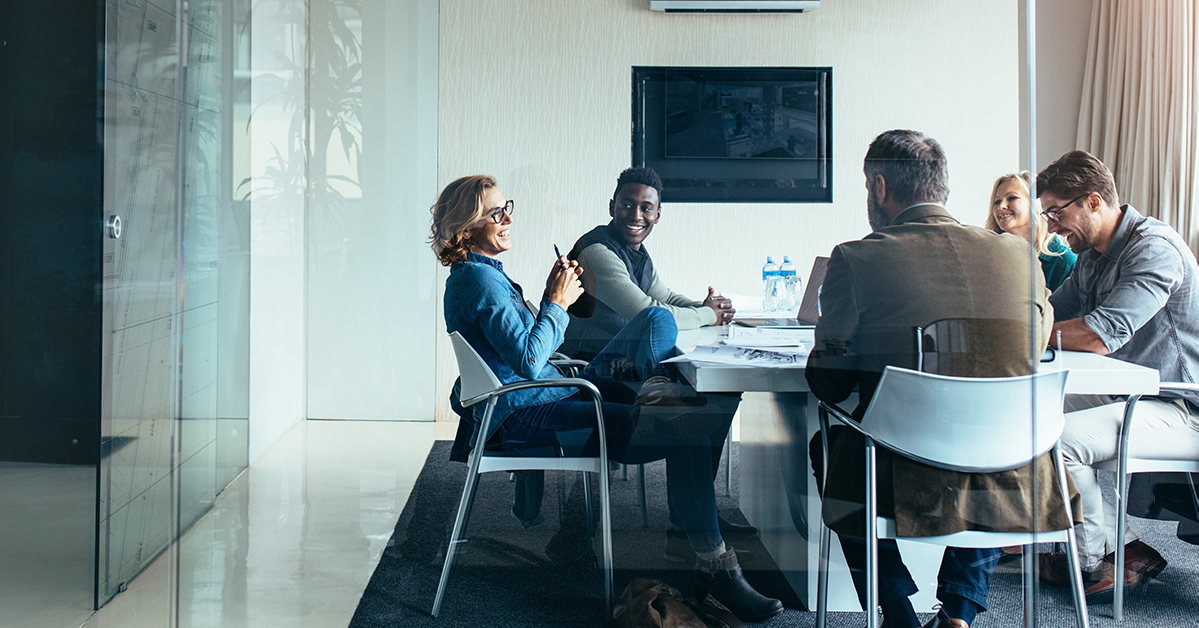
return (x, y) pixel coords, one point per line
(567, 424)
(633, 355)
(642, 343)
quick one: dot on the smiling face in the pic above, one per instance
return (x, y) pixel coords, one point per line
(1077, 220)
(1010, 207)
(486, 236)
(635, 211)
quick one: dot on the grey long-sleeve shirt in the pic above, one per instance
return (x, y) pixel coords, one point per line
(1141, 297)
(606, 277)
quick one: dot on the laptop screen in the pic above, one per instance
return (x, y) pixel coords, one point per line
(809, 308)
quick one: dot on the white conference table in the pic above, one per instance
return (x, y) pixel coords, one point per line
(777, 490)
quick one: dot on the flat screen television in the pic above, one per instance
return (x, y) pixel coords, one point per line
(735, 135)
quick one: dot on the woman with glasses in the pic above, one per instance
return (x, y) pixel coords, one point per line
(472, 223)
(1011, 212)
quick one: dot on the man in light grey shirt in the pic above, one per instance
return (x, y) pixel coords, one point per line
(618, 277)
(1133, 296)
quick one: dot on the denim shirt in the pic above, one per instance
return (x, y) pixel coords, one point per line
(1141, 297)
(489, 310)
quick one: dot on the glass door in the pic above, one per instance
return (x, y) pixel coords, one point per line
(175, 292)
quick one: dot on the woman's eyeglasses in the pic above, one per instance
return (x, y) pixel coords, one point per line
(497, 214)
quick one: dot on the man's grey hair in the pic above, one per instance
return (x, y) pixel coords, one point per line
(912, 164)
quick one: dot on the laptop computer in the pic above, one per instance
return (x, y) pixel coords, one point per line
(809, 307)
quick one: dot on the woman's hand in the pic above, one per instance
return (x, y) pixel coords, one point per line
(563, 286)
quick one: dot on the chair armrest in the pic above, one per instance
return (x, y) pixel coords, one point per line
(843, 417)
(568, 362)
(583, 385)
(565, 382)
(1126, 424)
(1177, 387)
(567, 366)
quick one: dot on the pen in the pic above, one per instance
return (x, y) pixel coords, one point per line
(556, 251)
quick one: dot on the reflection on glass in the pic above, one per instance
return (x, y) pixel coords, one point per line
(203, 403)
(140, 304)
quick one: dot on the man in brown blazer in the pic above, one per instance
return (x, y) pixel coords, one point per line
(918, 266)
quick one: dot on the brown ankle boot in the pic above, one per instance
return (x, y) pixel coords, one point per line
(722, 579)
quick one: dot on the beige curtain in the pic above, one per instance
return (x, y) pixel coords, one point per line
(1138, 111)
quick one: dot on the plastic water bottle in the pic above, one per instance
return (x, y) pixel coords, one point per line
(790, 283)
(769, 281)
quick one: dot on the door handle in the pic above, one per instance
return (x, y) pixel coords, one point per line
(112, 226)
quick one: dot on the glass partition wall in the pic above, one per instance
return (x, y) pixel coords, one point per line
(174, 429)
(126, 308)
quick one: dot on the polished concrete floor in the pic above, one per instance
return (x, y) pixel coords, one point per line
(47, 544)
(291, 542)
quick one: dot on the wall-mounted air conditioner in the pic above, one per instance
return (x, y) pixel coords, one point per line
(733, 6)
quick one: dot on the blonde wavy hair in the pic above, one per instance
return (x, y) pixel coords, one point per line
(1043, 237)
(459, 206)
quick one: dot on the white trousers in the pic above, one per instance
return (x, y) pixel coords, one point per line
(1160, 430)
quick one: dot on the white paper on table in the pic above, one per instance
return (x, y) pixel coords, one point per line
(746, 356)
(769, 337)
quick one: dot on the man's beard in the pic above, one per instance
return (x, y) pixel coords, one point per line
(874, 213)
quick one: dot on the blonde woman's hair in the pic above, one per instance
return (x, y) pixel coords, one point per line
(459, 206)
(1042, 236)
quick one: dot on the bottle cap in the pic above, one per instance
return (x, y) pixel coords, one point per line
(769, 259)
(786, 258)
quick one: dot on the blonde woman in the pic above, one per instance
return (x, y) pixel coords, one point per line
(472, 226)
(1011, 212)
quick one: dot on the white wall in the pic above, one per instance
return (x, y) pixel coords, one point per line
(537, 93)
(371, 280)
(1063, 29)
(276, 230)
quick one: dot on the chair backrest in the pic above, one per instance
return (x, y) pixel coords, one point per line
(477, 377)
(972, 424)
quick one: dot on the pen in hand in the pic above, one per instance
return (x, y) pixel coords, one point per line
(557, 252)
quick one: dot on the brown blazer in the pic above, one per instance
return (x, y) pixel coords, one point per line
(927, 267)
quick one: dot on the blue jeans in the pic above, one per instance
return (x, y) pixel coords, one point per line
(642, 343)
(566, 425)
(965, 572)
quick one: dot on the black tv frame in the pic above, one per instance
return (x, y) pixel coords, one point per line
(730, 179)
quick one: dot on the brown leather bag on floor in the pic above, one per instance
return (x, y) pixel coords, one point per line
(649, 603)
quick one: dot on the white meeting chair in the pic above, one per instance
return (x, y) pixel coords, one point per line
(1123, 465)
(966, 424)
(479, 385)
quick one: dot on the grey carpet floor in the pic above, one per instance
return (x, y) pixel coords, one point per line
(509, 576)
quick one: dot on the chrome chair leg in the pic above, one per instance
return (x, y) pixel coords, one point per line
(1122, 506)
(728, 464)
(606, 525)
(451, 550)
(822, 577)
(641, 495)
(1028, 564)
(587, 505)
(871, 537)
(1080, 601)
